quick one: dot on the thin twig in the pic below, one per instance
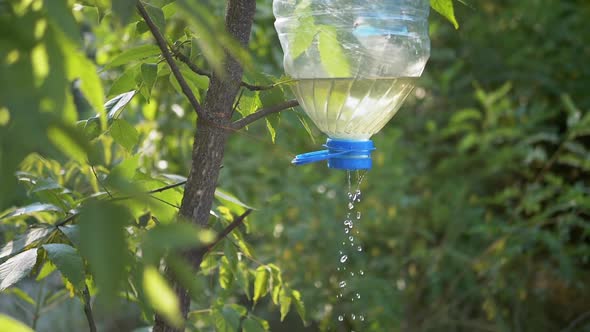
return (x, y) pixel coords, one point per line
(67, 220)
(252, 87)
(237, 222)
(100, 182)
(170, 186)
(88, 309)
(243, 122)
(163, 45)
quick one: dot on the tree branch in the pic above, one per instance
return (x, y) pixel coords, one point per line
(243, 122)
(170, 60)
(252, 87)
(88, 310)
(227, 230)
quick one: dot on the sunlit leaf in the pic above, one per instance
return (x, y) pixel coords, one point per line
(261, 282)
(446, 9)
(115, 106)
(31, 237)
(332, 54)
(124, 134)
(31, 209)
(284, 301)
(8, 323)
(134, 54)
(17, 268)
(161, 296)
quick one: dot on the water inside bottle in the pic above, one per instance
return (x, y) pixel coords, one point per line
(352, 108)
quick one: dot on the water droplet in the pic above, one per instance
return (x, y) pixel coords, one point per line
(343, 258)
(361, 272)
(359, 248)
(338, 268)
(340, 252)
(358, 296)
(350, 206)
(353, 317)
(346, 230)
(342, 284)
(362, 318)
(352, 274)
(358, 215)
(351, 238)
(340, 318)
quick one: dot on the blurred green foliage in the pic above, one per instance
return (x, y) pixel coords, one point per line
(474, 217)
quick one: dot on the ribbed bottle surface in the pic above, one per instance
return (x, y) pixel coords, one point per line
(353, 38)
(349, 108)
(353, 61)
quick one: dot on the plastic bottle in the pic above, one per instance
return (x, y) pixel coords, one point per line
(353, 63)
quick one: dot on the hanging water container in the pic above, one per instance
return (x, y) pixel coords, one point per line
(353, 63)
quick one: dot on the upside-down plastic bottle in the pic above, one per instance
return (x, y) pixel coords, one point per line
(353, 63)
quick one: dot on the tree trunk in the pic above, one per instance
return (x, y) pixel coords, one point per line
(209, 142)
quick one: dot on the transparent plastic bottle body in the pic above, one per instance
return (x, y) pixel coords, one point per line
(353, 61)
(350, 108)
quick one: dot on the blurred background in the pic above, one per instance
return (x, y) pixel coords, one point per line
(475, 216)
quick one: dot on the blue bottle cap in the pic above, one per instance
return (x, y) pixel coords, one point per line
(341, 154)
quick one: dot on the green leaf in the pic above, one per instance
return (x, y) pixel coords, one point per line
(261, 282)
(31, 209)
(21, 295)
(157, 16)
(304, 36)
(102, 242)
(226, 276)
(68, 262)
(123, 10)
(79, 66)
(60, 13)
(271, 129)
(231, 253)
(134, 54)
(31, 237)
(243, 278)
(252, 325)
(228, 320)
(17, 268)
(194, 79)
(446, 9)
(331, 53)
(127, 81)
(8, 323)
(69, 141)
(285, 301)
(306, 126)
(249, 102)
(149, 74)
(124, 134)
(227, 199)
(175, 236)
(161, 296)
(299, 306)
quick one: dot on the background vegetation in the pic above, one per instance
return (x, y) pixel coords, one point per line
(474, 218)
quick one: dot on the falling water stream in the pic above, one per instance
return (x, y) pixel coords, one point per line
(350, 252)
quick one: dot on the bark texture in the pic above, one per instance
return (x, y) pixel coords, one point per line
(210, 139)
